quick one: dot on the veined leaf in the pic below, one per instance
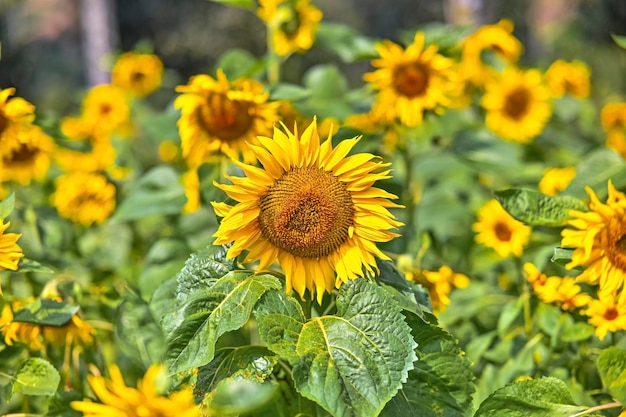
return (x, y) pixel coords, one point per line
(612, 368)
(36, 376)
(542, 397)
(202, 270)
(29, 265)
(352, 363)
(6, 206)
(210, 313)
(536, 209)
(46, 312)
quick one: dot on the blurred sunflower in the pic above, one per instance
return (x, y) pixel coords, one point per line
(410, 81)
(191, 181)
(613, 116)
(106, 109)
(616, 140)
(564, 292)
(607, 314)
(598, 238)
(75, 331)
(518, 105)
(81, 129)
(16, 117)
(311, 207)
(571, 78)
(29, 160)
(219, 116)
(99, 159)
(555, 180)
(16, 332)
(292, 24)
(138, 74)
(486, 43)
(498, 230)
(118, 399)
(84, 197)
(10, 251)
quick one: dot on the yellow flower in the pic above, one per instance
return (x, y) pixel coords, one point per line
(219, 116)
(120, 400)
(311, 207)
(438, 283)
(597, 237)
(139, 74)
(518, 105)
(100, 158)
(616, 140)
(613, 116)
(24, 333)
(10, 251)
(74, 331)
(410, 81)
(81, 129)
(16, 117)
(498, 230)
(105, 108)
(497, 40)
(191, 181)
(84, 197)
(29, 160)
(555, 180)
(292, 24)
(168, 151)
(569, 78)
(607, 314)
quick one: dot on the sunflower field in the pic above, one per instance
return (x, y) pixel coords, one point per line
(446, 238)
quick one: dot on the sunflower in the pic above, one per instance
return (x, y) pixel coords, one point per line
(83, 130)
(118, 399)
(616, 140)
(607, 314)
(555, 180)
(84, 197)
(16, 117)
(571, 78)
(10, 251)
(518, 105)
(488, 42)
(16, 332)
(219, 116)
(100, 158)
(29, 160)
(311, 207)
(106, 109)
(74, 331)
(410, 81)
(613, 116)
(598, 237)
(138, 74)
(292, 24)
(191, 181)
(498, 230)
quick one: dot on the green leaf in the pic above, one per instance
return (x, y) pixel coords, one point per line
(159, 191)
(30, 265)
(612, 369)
(594, 171)
(237, 63)
(210, 313)
(510, 312)
(36, 376)
(562, 256)
(280, 319)
(6, 206)
(202, 270)
(59, 405)
(240, 396)
(542, 397)
(352, 363)
(46, 312)
(536, 209)
(619, 40)
(577, 332)
(246, 4)
(346, 42)
(289, 92)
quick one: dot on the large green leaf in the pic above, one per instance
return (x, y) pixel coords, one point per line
(542, 397)
(36, 376)
(202, 270)
(595, 170)
(612, 368)
(6, 206)
(210, 313)
(353, 363)
(536, 209)
(441, 384)
(46, 312)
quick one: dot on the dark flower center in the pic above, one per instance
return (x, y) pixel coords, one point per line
(225, 118)
(503, 232)
(517, 103)
(411, 80)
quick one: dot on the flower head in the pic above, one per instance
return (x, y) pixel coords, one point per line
(292, 24)
(598, 238)
(555, 180)
(219, 116)
(607, 314)
(84, 197)
(498, 230)
(410, 81)
(571, 78)
(311, 207)
(29, 160)
(613, 116)
(10, 251)
(138, 74)
(16, 117)
(118, 399)
(518, 105)
(105, 108)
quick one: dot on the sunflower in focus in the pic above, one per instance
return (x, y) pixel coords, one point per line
(16, 117)
(292, 24)
(518, 105)
(138, 74)
(571, 78)
(10, 251)
(607, 314)
(118, 399)
(84, 197)
(498, 230)
(311, 207)
(598, 237)
(222, 117)
(410, 81)
(106, 109)
(29, 160)
(555, 180)
(489, 47)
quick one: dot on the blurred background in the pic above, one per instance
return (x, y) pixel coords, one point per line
(53, 49)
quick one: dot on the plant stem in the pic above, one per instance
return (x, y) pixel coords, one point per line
(598, 407)
(273, 60)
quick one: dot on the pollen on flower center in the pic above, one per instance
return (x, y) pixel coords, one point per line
(517, 103)
(616, 248)
(411, 80)
(503, 232)
(225, 118)
(306, 212)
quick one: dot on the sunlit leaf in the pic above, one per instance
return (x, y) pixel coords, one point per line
(46, 312)
(6, 206)
(36, 376)
(594, 170)
(612, 369)
(619, 40)
(30, 265)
